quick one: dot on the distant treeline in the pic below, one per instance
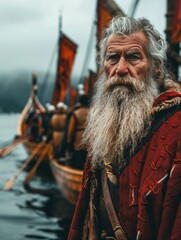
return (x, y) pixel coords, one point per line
(15, 90)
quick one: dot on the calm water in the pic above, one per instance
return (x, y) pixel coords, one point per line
(29, 215)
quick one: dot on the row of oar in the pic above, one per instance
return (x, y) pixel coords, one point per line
(41, 150)
(10, 145)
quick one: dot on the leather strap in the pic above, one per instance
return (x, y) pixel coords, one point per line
(117, 228)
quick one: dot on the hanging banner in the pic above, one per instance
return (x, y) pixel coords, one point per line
(66, 56)
(106, 10)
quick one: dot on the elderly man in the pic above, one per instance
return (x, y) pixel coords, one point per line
(131, 186)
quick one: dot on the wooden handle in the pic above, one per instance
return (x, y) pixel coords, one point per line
(13, 179)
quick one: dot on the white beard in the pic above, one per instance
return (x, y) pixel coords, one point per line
(120, 116)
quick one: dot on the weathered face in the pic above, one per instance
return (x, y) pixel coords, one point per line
(126, 56)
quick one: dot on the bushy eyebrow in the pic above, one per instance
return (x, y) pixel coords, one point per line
(111, 53)
(136, 51)
(128, 53)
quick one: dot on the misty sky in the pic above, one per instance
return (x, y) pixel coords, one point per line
(29, 29)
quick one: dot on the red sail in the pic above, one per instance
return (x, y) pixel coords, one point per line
(66, 55)
(106, 9)
(176, 32)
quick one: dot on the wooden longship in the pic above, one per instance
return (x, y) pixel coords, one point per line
(23, 127)
(68, 179)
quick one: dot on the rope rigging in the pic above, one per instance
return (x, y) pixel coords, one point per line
(132, 8)
(54, 52)
(88, 51)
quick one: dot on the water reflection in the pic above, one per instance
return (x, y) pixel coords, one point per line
(53, 207)
(37, 212)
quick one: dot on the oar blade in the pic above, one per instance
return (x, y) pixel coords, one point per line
(9, 184)
(13, 179)
(33, 170)
(6, 150)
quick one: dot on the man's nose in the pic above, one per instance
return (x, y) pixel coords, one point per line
(122, 67)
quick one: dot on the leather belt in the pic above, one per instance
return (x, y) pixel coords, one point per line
(117, 228)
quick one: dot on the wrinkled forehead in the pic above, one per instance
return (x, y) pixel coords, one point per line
(137, 39)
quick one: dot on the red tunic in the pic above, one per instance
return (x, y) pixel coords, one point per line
(149, 187)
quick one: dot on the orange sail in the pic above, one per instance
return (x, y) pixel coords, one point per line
(106, 10)
(176, 32)
(66, 56)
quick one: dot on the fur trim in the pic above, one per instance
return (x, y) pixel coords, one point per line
(86, 226)
(90, 224)
(168, 85)
(167, 104)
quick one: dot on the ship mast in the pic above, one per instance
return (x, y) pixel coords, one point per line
(174, 60)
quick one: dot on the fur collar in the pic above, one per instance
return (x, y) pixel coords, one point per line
(169, 97)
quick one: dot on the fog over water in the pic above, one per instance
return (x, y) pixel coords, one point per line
(29, 34)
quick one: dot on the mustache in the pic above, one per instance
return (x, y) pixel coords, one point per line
(135, 85)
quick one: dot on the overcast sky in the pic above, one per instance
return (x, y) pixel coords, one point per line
(29, 29)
